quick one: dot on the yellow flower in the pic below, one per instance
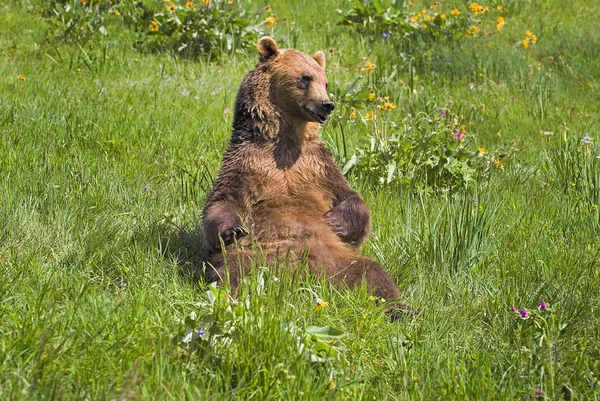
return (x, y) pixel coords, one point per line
(368, 66)
(594, 207)
(84, 2)
(268, 9)
(525, 43)
(477, 9)
(21, 77)
(136, 59)
(154, 26)
(455, 12)
(206, 2)
(474, 29)
(331, 383)
(528, 33)
(229, 1)
(352, 114)
(387, 106)
(371, 96)
(167, 1)
(370, 116)
(189, 4)
(270, 21)
(500, 23)
(487, 9)
(443, 17)
(500, 8)
(321, 305)
(463, 129)
(481, 150)
(533, 39)
(172, 7)
(498, 164)
(414, 18)
(116, 11)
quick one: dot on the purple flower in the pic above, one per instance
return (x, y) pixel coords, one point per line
(443, 113)
(523, 313)
(200, 332)
(513, 309)
(147, 187)
(587, 140)
(538, 394)
(386, 35)
(543, 305)
(459, 136)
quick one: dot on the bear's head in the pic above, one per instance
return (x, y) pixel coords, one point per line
(298, 86)
(285, 94)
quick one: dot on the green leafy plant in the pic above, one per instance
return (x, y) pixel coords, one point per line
(208, 28)
(426, 150)
(398, 21)
(77, 20)
(222, 324)
(196, 29)
(574, 161)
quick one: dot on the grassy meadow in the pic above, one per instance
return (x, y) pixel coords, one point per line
(107, 154)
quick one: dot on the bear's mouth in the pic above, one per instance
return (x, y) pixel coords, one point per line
(318, 117)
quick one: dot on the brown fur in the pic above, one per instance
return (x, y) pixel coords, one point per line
(279, 186)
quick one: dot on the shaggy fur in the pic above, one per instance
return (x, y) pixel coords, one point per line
(279, 186)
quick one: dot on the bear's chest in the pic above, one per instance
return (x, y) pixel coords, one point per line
(302, 177)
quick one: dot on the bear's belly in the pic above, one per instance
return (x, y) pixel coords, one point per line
(277, 220)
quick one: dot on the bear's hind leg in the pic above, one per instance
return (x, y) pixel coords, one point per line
(352, 272)
(236, 265)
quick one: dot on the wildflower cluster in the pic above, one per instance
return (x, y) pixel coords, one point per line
(500, 24)
(79, 21)
(523, 313)
(530, 38)
(376, 102)
(368, 67)
(204, 28)
(397, 19)
(433, 150)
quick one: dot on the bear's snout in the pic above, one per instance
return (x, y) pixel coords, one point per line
(319, 110)
(329, 106)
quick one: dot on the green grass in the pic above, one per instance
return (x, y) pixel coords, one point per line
(106, 155)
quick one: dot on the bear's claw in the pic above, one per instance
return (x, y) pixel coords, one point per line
(233, 234)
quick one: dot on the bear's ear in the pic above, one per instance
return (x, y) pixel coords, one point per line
(267, 48)
(320, 59)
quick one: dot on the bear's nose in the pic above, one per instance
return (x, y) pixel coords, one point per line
(329, 106)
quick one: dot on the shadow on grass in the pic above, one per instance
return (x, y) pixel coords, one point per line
(184, 247)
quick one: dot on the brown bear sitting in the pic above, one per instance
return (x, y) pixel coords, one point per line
(279, 186)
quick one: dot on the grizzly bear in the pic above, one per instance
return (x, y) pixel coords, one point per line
(279, 188)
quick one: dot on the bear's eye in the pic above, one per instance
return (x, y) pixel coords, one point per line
(305, 81)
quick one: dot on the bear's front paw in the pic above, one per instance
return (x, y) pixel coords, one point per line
(233, 234)
(337, 225)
